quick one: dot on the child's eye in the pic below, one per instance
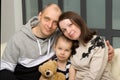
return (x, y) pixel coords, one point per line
(67, 50)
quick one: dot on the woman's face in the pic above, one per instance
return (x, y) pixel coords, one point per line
(69, 29)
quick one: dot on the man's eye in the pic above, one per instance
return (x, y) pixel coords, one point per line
(60, 48)
(46, 19)
(55, 23)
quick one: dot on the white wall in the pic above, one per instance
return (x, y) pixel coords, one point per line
(11, 18)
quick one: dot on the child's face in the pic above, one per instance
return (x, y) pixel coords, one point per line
(63, 49)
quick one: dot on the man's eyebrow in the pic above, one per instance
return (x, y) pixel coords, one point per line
(56, 21)
(46, 17)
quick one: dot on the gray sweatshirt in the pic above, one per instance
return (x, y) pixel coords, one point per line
(24, 48)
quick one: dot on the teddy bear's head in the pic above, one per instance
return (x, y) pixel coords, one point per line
(48, 69)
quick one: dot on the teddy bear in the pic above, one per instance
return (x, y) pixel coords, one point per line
(48, 71)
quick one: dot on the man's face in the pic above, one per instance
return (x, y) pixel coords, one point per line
(48, 21)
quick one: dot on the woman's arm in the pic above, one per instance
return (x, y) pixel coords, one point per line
(72, 73)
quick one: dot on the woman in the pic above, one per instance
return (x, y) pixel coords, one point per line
(91, 59)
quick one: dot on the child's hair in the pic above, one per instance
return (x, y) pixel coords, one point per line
(75, 43)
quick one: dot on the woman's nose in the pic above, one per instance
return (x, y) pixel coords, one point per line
(68, 30)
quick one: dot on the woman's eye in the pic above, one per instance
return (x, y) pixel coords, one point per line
(63, 30)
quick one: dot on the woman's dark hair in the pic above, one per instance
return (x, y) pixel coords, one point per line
(86, 34)
(75, 43)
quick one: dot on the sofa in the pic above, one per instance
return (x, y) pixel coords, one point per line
(3, 45)
(115, 63)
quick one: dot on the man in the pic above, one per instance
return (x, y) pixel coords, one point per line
(31, 46)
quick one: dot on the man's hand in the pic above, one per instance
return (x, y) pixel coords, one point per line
(110, 51)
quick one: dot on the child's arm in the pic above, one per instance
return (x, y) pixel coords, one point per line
(72, 73)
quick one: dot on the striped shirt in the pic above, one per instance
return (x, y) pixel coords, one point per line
(66, 71)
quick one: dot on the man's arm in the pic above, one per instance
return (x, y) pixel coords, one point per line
(110, 51)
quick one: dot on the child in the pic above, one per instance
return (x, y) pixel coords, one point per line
(64, 48)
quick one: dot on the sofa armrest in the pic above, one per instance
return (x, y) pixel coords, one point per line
(3, 45)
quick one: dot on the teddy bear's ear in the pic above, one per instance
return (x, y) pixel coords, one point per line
(39, 69)
(55, 62)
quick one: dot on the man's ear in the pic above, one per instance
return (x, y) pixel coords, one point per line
(39, 16)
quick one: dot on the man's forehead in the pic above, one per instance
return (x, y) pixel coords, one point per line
(52, 9)
(51, 13)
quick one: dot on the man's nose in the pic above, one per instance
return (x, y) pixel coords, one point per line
(50, 24)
